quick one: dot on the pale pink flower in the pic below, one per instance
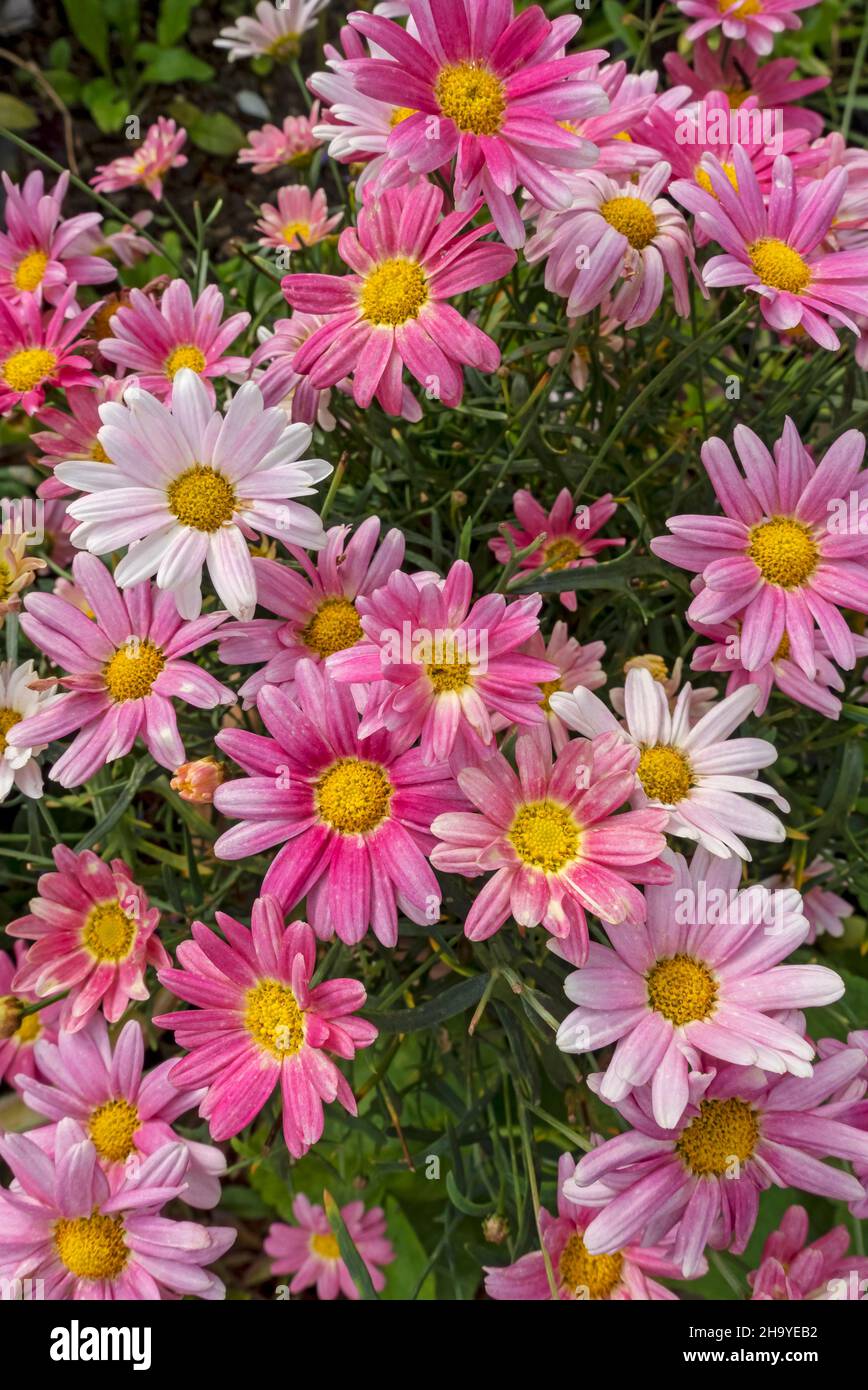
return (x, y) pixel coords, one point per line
(310, 1251)
(276, 32)
(699, 983)
(41, 252)
(826, 911)
(577, 665)
(126, 1112)
(21, 1031)
(792, 1270)
(66, 1227)
(695, 771)
(757, 22)
(737, 71)
(72, 433)
(630, 96)
(273, 147)
(159, 152)
(300, 218)
(38, 351)
(157, 342)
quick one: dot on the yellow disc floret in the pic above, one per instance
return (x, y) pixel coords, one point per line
(473, 98)
(273, 1018)
(187, 355)
(395, 292)
(92, 1247)
(588, 1276)
(725, 1132)
(334, 627)
(112, 1128)
(131, 672)
(681, 989)
(665, 774)
(780, 267)
(25, 369)
(202, 499)
(784, 551)
(29, 272)
(108, 932)
(545, 836)
(631, 217)
(353, 796)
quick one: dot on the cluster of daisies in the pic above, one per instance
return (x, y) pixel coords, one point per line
(385, 728)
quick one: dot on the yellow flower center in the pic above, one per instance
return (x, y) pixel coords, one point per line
(623, 135)
(665, 774)
(561, 552)
(724, 1131)
(737, 95)
(98, 453)
(394, 293)
(472, 98)
(25, 369)
(703, 178)
(545, 836)
(6, 579)
(779, 266)
(334, 626)
(28, 1030)
(287, 46)
(400, 114)
(131, 672)
(446, 676)
(591, 1276)
(353, 796)
(92, 1247)
(740, 11)
(273, 1019)
(655, 664)
(783, 650)
(681, 989)
(185, 356)
(549, 688)
(8, 717)
(632, 218)
(112, 1127)
(108, 932)
(29, 272)
(292, 230)
(325, 1246)
(202, 498)
(784, 551)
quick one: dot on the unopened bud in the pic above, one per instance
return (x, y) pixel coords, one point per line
(199, 780)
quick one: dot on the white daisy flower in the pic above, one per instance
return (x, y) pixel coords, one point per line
(276, 32)
(18, 766)
(699, 774)
(187, 487)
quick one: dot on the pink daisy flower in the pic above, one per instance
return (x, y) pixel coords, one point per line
(126, 1113)
(316, 612)
(310, 1252)
(785, 557)
(274, 147)
(442, 665)
(159, 152)
(567, 535)
(353, 814)
(700, 980)
(300, 218)
(699, 1184)
(191, 486)
(257, 1023)
(19, 764)
(723, 654)
(754, 21)
(276, 32)
(65, 1225)
(792, 1270)
(626, 1276)
(38, 351)
(551, 836)
(73, 434)
(694, 770)
(616, 235)
(825, 911)
(127, 246)
(489, 89)
(775, 250)
(737, 71)
(38, 252)
(392, 312)
(20, 1031)
(94, 935)
(157, 343)
(123, 670)
(850, 1104)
